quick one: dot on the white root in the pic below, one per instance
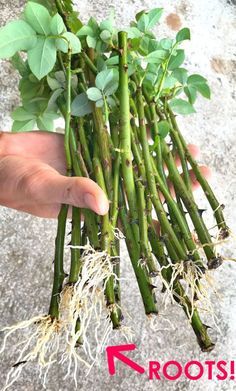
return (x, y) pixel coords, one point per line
(197, 285)
(57, 340)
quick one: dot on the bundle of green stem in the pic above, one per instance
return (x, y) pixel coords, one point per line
(111, 146)
(127, 86)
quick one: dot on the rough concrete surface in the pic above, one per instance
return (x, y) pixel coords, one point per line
(27, 242)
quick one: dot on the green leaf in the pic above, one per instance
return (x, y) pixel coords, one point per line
(204, 90)
(74, 23)
(163, 128)
(74, 41)
(47, 4)
(16, 36)
(38, 17)
(28, 90)
(85, 30)
(104, 78)
(111, 88)
(54, 84)
(170, 82)
(111, 101)
(177, 60)
(57, 26)
(105, 35)
(60, 77)
(114, 60)
(166, 43)
(139, 14)
(181, 106)
(36, 105)
(91, 41)
(20, 114)
(107, 25)
(143, 23)
(94, 26)
(183, 35)
(134, 32)
(94, 94)
(81, 105)
(153, 17)
(42, 57)
(100, 103)
(156, 57)
(23, 126)
(191, 94)
(200, 83)
(19, 64)
(46, 121)
(53, 98)
(180, 74)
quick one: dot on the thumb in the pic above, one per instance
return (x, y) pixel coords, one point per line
(48, 186)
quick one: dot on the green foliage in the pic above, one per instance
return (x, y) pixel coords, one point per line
(181, 106)
(163, 128)
(176, 60)
(20, 65)
(183, 35)
(199, 83)
(94, 94)
(156, 57)
(70, 40)
(181, 75)
(148, 20)
(43, 33)
(81, 105)
(23, 126)
(16, 36)
(38, 18)
(42, 57)
(57, 26)
(191, 94)
(50, 5)
(98, 36)
(107, 81)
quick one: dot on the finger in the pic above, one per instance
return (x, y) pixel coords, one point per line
(30, 182)
(205, 171)
(47, 211)
(47, 186)
(194, 151)
(45, 146)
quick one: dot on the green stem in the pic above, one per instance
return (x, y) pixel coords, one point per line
(59, 274)
(189, 203)
(146, 254)
(165, 225)
(106, 240)
(216, 207)
(144, 282)
(84, 145)
(90, 219)
(125, 134)
(68, 114)
(75, 241)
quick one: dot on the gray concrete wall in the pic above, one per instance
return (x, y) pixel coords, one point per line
(27, 242)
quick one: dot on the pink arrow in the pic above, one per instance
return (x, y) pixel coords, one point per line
(114, 351)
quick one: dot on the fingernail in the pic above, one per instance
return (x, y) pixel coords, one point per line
(91, 203)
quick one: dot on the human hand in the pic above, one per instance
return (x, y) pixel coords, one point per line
(33, 176)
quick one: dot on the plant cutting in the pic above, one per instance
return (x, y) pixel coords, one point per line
(112, 88)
